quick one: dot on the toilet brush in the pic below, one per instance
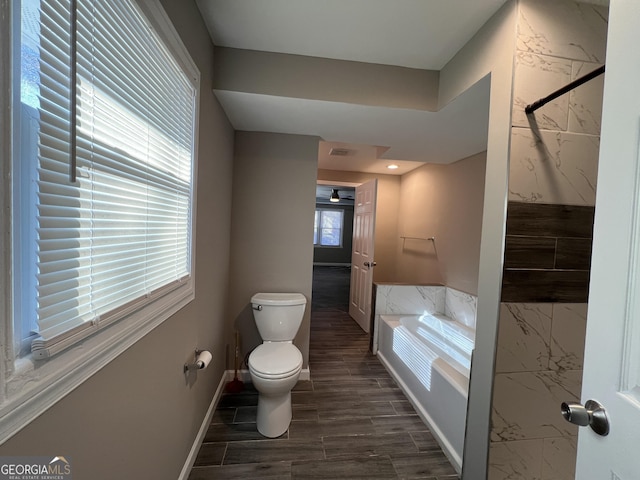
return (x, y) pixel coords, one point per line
(236, 385)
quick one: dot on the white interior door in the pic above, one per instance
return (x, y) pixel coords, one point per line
(612, 351)
(362, 262)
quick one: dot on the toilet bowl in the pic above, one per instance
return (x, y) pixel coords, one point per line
(275, 365)
(274, 369)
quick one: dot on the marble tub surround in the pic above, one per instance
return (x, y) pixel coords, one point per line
(461, 307)
(420, 299)
(397, 299)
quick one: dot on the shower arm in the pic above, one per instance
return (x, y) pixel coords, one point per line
(561, 91)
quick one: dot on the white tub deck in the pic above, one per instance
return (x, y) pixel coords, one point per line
(429, 356)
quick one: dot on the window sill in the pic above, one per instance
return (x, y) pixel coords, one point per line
(35, 386)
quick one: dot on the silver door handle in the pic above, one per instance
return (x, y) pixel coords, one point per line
(370, 264)
(592, 414)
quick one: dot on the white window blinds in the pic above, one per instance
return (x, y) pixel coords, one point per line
(118, 237)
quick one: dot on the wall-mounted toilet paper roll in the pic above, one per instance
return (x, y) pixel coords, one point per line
(203, 359)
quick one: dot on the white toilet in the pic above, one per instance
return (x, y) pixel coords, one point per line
(276, 364)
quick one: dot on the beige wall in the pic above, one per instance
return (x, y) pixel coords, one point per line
(388, 202)
(445, 202)
(138, 417)
(274, 185)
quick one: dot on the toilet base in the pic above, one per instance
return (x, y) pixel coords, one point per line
(274, 414)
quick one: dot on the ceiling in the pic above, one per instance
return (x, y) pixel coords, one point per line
(389, 32)
(423, 34)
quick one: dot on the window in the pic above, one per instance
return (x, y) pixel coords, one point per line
(327, 228)
(103, 149)
(109, 175)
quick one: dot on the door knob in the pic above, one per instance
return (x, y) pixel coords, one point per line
(370, 264)
(592, 414)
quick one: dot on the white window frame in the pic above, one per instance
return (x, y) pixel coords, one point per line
(26, 392)
(319, 244)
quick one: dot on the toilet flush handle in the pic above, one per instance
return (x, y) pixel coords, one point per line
(256, 307)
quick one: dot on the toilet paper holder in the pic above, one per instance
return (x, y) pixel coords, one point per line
(201, 360)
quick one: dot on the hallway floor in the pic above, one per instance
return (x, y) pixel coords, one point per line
(350, 421)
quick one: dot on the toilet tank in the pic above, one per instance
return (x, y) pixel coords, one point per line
(278, 315)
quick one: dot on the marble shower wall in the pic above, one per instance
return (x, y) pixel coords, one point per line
(538, 366)
(553, 168)
(554, 152)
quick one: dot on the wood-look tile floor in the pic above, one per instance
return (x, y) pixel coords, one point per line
(351, 421)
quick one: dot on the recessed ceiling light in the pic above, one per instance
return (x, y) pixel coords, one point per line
(393, 166)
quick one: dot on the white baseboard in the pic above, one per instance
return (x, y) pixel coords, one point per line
(195, 448)
(243, 375)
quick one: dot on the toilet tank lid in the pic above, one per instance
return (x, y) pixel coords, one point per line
(279, 299)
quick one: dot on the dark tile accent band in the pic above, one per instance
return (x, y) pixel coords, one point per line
(564, 286)
(530, 252)
(547, 253)
(574, 253)
(544, 220)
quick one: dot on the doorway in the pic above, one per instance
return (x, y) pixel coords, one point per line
(333, 240)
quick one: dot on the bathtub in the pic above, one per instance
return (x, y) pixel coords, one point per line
(429, 356)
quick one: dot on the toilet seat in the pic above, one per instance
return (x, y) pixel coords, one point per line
(275, 360)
